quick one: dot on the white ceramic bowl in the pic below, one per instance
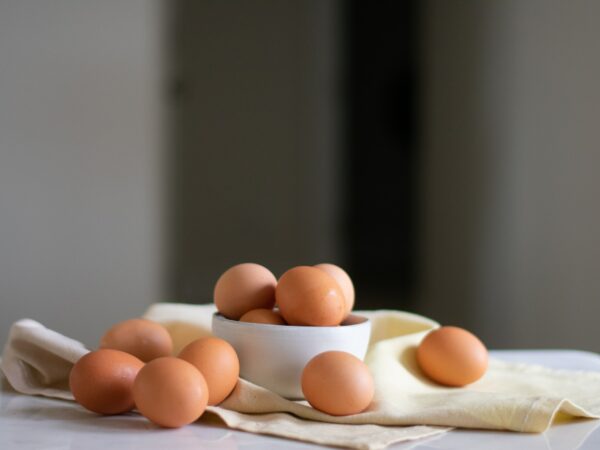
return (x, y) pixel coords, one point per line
(273, 356)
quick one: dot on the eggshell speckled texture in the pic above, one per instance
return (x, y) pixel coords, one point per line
(337, 383)
(268, 316)
(142, 338)
(452, 356)
(243, 288)
(102, 381)
(170, 392)
(310, 296)
(219, 364)
(345, 283)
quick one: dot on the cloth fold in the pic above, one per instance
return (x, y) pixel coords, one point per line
(517, 397)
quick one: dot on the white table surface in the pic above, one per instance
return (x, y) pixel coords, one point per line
(39, 423)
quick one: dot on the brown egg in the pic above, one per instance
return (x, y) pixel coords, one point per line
(170, 392)
(337, 383)
(244, 287)
(140, 337)
(102, 381)
(452, 356)
(218, 362)
(309, 296)
(345, 283)
(268, 316)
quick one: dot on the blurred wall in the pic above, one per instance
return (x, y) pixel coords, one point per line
(80, 182)
(256, 164)
(510, 127)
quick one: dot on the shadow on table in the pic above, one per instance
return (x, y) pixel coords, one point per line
(66, 423)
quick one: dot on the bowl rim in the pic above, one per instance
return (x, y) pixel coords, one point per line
(364, 321)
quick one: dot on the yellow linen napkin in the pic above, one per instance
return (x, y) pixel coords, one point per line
(37, 361)
(517, 397)
(510, 396)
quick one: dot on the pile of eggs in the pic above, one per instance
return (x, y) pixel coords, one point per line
(334, 382)
(321, 295)
(134, 366)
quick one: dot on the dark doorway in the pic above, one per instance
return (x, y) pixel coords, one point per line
(381, 145)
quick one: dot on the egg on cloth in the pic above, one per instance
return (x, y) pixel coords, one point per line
(218, 362)
(102, 381)
(337, 383)
(311, 297)
(170, 392)
(244, 287)
(452, 356)
(142, 338)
